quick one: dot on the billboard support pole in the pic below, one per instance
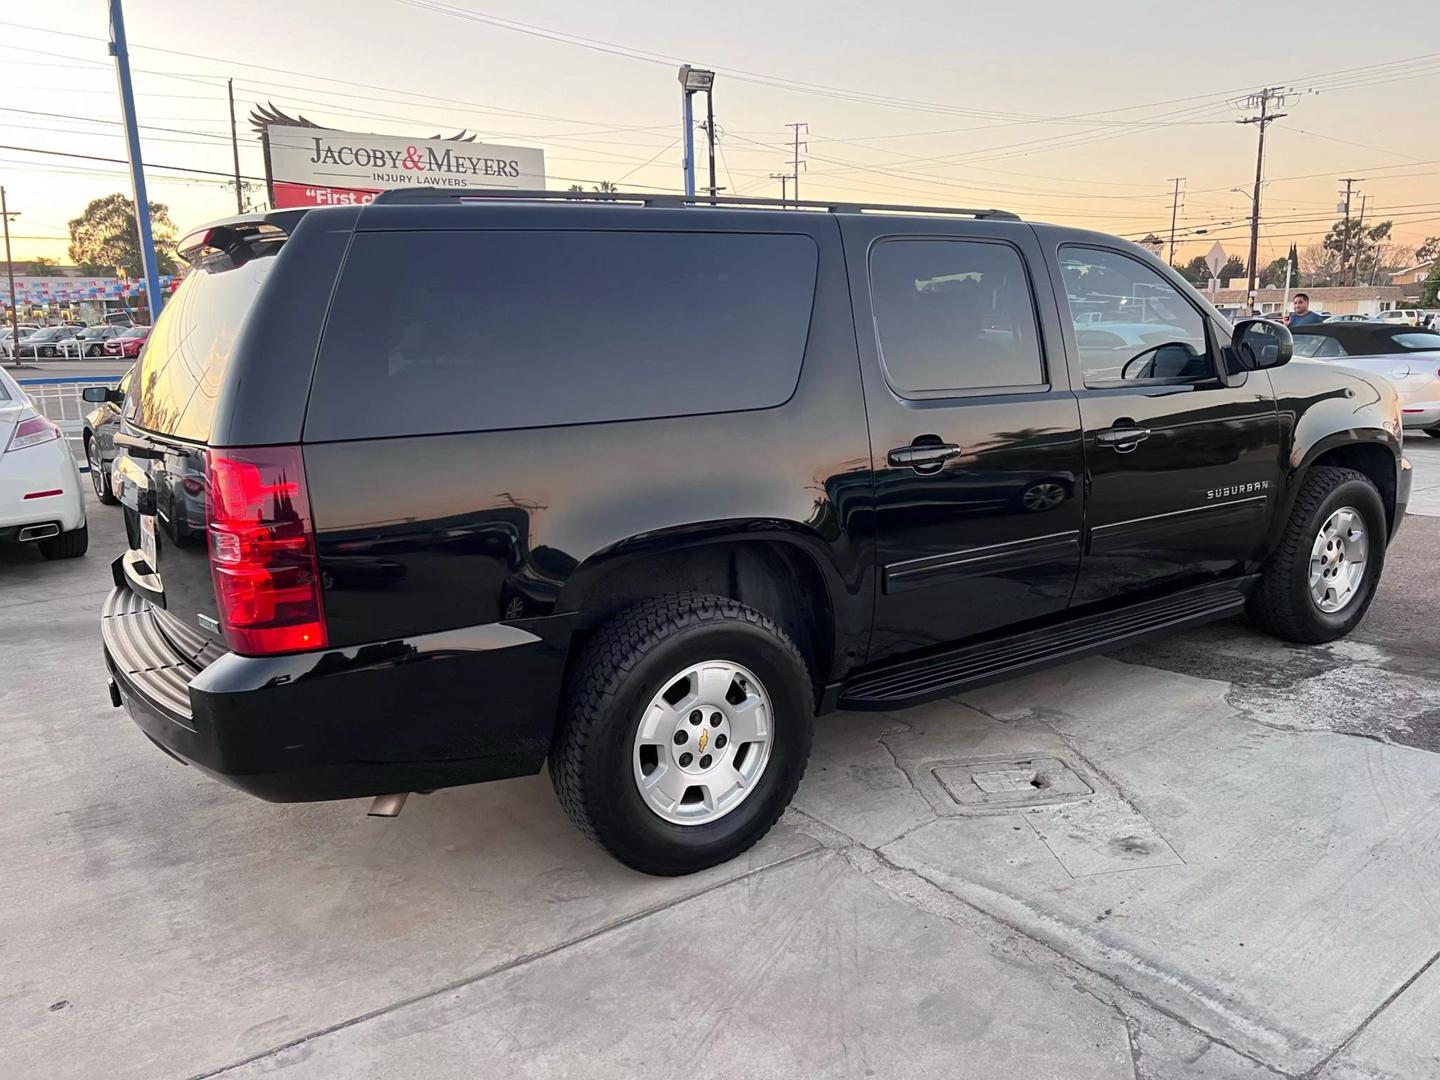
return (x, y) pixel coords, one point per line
(118, 49)
(269, 172)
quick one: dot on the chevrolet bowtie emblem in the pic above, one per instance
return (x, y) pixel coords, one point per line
(704, 739)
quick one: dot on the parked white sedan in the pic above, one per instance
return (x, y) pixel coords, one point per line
(1407, 356)
(41, 498)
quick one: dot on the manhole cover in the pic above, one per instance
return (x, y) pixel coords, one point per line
(1036, 781)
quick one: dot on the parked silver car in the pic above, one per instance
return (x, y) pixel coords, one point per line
(1408, 357)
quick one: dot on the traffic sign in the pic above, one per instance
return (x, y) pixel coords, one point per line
(1216, 259)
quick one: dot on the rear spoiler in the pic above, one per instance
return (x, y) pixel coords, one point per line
(234, 241)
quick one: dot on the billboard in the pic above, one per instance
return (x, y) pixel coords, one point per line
(312, 166)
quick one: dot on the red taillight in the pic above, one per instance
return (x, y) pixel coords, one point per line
(262, 551)
(32, 431)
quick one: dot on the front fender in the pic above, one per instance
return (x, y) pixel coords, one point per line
(1336, 415)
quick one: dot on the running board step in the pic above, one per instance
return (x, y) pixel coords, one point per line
(913, 681)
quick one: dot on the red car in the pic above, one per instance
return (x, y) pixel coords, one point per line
(127, 344)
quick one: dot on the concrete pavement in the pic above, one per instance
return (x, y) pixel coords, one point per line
(1204, 855)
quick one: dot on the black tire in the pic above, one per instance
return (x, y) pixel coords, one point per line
(68, 545)
(99, 474)
(47, 351)
(1282, 604)
(620, 669)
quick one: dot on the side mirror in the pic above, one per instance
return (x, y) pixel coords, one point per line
(99, 394)
(1260, 343)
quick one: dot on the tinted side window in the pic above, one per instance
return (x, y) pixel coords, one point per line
(1130, 323)
(953, 315)
(180, 371)
(437, 332)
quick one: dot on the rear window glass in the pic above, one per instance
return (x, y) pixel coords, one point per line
(183, 362)
(1420, 342)
(435, 332)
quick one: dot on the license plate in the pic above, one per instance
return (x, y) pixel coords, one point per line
(147, 541)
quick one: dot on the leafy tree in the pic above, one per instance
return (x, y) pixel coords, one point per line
(1233, 270)
(1357, 243)
(603, 187)
(1195, 271)
(1319, 265)
(1273, 275)
(104, 239)
(1430, 249)
(1430, 290)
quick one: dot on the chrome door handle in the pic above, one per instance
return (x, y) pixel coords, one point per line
(1123, 439)
(923, 457)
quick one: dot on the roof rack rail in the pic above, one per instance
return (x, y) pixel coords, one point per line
(439, 195)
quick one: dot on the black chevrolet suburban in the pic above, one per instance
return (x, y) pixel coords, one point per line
(448, 487)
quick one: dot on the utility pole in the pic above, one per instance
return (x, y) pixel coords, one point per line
(796, 162)
(1349, 182)
(235, 149)
(1359, 242)
(10, 271)
(710, 137)
(1174, 211)
(784, 178)
(119, 50)
(1262, 101)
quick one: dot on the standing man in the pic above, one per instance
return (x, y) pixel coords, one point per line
(1302, 315)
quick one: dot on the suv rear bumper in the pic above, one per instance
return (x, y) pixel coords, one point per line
(432, 711)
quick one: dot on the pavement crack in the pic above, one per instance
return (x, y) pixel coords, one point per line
(921, 891)
(1319, 1067)
(895, 760)
(508, 965)
(1132, 1037)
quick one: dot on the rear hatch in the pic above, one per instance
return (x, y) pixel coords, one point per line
(162, 447)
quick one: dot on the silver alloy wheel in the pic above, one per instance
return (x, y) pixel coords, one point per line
(1045, 495)
(92, 458)
(1338, 559)
(703, 742)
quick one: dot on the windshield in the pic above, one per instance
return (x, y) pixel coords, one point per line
(136, 331)
(44, 335)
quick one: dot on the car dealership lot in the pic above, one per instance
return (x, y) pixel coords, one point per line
(1227, 869)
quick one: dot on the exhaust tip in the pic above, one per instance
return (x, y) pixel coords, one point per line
(388, 805)
(38, 532)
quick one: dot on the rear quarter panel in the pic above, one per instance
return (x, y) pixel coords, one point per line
(419, 534)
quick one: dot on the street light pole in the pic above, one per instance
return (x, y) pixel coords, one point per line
(692, 81)
(10, 272)
(687, 118)
(235, 149)
(120, 51)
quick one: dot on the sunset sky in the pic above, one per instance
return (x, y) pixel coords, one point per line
(1074, 113)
